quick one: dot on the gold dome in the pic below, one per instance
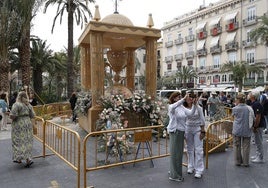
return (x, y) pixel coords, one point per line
(117, 19)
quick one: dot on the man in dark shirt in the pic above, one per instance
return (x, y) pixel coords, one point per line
(258, 126)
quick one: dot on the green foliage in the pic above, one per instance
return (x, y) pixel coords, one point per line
(261, 32)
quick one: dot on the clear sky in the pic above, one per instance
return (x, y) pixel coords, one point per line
(136, 10)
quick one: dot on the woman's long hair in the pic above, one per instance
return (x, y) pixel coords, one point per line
(22, 97)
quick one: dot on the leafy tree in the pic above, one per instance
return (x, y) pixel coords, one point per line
(261, 32)
(41, 60)
(77, 9)
(240, 70)
(185, 74)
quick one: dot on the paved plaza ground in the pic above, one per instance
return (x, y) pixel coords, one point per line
(52, 172)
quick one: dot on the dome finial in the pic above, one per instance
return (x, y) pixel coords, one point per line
(97, 16)
(116, 7)
(150, 22)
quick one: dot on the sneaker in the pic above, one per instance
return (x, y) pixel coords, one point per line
(190, 171)
(265, 131)
(257, 160)
(197, 175)
(176, 179)
(253, 157)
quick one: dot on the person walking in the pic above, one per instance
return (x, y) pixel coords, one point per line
(4, 111)
(72, 101)
(213, 101)
(258, 126)
(194, 134)
(176, 129)
(242, 130)
(22, 130)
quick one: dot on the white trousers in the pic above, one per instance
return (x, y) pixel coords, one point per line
(195, 150)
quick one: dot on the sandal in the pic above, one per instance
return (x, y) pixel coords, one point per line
(29, 163)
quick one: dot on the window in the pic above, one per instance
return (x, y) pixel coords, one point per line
(179, 49)
(251, 13)
(216, 61)
(260, 74)
(179, 35)
(190, 30)
(250, 56)
(216, 79)
(169, 37)
(231, 77)
(202, 62)
(224, 78)
(190, 48)
(202, 80)
(169, 67)
(232, 57)
(169, 51)
(248, 35)
(251, 75)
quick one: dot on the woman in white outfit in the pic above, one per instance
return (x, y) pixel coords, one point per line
(194, 134)
(176, 128)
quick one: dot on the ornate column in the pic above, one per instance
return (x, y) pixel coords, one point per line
(85, 67)
(130, 69)
(151, 67)
(96, 79)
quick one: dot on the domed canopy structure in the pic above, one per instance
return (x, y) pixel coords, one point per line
(116, 37)
(117, 19)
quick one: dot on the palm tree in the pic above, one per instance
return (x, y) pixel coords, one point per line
(240, 71)
(185, 74)
(41, 58)
(77, 8)
(261, 32)
(8, 32)
(26, 9)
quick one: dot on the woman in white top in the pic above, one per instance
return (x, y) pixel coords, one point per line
(194, 134)
(176, 128)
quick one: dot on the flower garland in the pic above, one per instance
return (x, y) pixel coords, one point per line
(116, 105)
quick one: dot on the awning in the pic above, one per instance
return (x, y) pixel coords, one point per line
(201, 44)
(214, 41)
(230, 16)
(215, 21)
(230, 37)
(200, 26)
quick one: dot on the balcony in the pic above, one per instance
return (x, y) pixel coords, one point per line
(168, 59)
(178, 41)
(215, 49)
(231, 26)
(215, 31)
(189, 38)
(169, 44)
(202, 35)
(231, 46)
(189, 55)
(250, 21)
(248, 44)
(178, 57)
(201, 52)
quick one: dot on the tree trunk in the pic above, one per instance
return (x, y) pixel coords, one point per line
(70, 53)
(25, 54)
(38, 80)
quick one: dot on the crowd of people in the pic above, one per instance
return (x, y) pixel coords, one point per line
(187, 125)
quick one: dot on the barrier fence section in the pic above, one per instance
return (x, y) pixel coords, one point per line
(62, 141)
(110, 148)
(218, 136)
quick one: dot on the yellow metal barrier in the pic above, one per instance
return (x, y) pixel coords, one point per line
(218, 135)
(66, 144)
(63, 142)
(111, 148)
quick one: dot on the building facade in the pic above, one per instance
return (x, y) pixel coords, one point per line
(208, 37)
